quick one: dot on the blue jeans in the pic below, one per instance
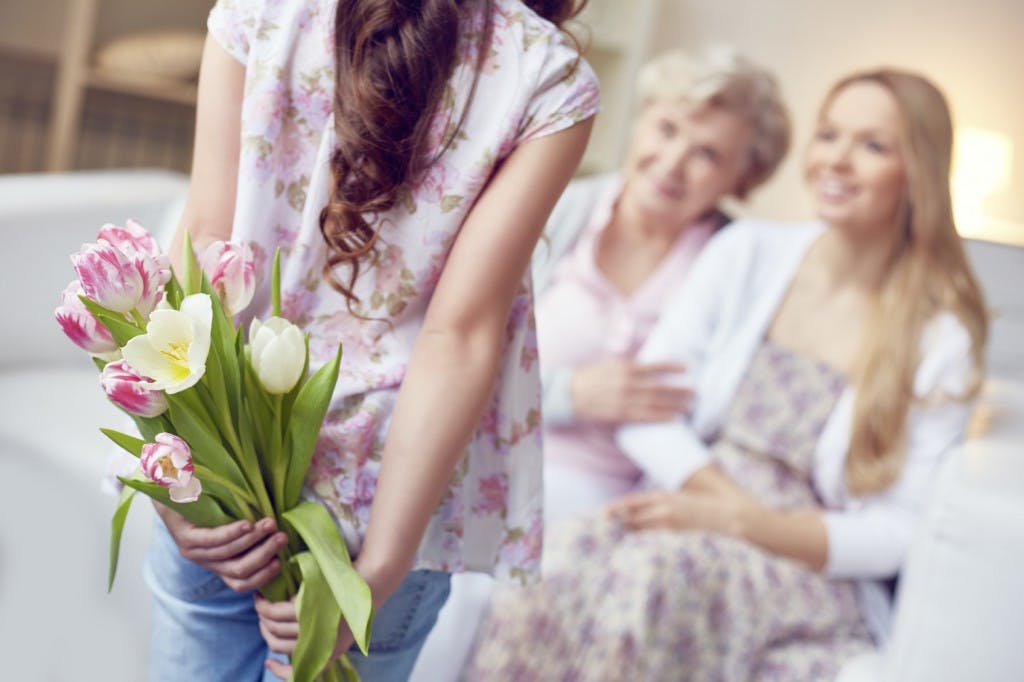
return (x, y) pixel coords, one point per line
(203, 631)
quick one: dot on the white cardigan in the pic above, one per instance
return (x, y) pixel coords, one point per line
(717, 323)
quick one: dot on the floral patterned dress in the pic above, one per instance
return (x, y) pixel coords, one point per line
(694, 606)
(533, 84)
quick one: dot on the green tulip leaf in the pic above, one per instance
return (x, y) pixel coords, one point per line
(149, 427)
(307, 416)
(205, 511)
(190, 268)
(128, 443)
(121, 329)
(316, 527)
(173, 293)
(225, 335)
(318, 615)
(207, 447)
(124, 502)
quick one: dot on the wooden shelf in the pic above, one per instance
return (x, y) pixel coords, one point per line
(76, 75)
(141, 85)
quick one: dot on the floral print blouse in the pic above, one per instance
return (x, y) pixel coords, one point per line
(533, 83)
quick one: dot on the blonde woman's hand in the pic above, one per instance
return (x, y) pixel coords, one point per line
(719, 510)
(618, 391)
(243, 554)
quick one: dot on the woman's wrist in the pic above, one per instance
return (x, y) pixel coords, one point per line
(745, 517)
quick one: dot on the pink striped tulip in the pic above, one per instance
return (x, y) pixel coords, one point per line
(109, 277)
(132, 240)
(168, 462)
(130, 392)
(79, 324)
(231, 269)
(135, 242)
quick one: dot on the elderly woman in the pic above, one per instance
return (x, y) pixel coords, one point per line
(620, 246)
(616, 248)
(833, 364)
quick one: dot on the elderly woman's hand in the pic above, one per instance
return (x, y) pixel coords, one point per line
(617, 391)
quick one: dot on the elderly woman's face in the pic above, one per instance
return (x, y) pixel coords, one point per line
(854, 165)
(683, 160)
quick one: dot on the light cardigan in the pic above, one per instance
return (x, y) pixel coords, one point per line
(717, 323)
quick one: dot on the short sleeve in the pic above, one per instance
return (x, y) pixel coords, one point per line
(232, 23)
(566, 92)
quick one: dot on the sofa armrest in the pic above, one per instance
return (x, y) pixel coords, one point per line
(46, 217)
(960, 609)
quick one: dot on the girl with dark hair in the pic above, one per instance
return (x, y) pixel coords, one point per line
(404, 156)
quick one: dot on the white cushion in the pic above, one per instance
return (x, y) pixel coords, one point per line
(46, 218)
(57, 413)
(960, 609)
(57, 620)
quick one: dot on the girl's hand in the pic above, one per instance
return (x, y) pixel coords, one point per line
(243, 554)
(279, 626)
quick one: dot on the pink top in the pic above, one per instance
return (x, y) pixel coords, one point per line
(583, 318)
(533, 83)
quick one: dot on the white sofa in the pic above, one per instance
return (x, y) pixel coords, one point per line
(56, 620)
(960, 603)
(961, 599)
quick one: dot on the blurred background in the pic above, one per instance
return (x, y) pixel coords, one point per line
(97, 103)
(88, 84)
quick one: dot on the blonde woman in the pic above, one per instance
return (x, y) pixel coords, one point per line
(833, 365)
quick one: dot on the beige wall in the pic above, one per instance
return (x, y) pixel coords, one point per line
(973, 50)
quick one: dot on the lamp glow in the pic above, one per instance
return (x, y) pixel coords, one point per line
(982, 160)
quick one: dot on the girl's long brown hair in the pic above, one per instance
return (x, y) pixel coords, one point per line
(393, 59)
(929, 275)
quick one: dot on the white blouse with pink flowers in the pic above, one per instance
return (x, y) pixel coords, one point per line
(533, 84)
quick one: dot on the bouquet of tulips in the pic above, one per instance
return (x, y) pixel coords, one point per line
(227, 427)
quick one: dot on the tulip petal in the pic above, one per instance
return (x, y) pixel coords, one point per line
(186, 493)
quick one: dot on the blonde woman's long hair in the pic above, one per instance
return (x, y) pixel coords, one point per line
(929, 274)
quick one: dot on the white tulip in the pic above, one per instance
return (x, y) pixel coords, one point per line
(277, 350)
(172, 352)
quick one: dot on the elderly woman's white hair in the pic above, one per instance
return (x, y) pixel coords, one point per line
(725, 79)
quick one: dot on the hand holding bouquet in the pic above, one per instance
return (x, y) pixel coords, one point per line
(228, 427)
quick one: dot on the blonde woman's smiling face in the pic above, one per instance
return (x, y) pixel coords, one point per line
(854, 164)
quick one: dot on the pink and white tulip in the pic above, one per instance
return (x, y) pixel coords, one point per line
(81, 326)
(131, 392)
(108, 277)
(139, 246)
(132, 240)
(231, 269)
(168, 462)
